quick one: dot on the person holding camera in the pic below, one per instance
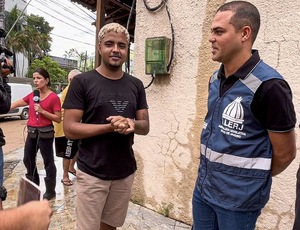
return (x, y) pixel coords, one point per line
(5, 100)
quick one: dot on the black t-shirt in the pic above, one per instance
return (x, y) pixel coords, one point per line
(108, 156)
(5, 97)
(272, 104)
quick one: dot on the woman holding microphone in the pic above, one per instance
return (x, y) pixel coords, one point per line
(44, 107)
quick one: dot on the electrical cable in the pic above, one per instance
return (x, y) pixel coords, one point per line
(71, 11)
(73, 39)
(154, 8)
(54, 9)
(84, 11)
(173, 37)
(76, 5)
(152, 80)
(81, 42)
(85, 31)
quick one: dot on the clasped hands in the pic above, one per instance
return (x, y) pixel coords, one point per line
(121, 124)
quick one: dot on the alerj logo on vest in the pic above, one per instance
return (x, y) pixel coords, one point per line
(233, 119)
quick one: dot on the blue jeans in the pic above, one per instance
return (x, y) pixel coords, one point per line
(1, 166)
(211, 217)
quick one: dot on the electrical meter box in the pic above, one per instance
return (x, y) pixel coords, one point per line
(157, 55)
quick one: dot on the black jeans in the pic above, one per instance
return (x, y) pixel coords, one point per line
(297, 204)
(32, 145)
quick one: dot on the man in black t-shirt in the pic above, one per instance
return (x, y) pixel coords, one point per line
(104, 108)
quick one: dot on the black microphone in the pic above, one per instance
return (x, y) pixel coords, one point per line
(36, 99)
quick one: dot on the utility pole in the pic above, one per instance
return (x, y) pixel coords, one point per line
(2, 4)
(17, 18)
(85, 59)
(100, 21)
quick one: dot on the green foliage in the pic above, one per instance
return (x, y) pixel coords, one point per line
(13, 41)
(11, 18)
(137, 200)
(42, 31)
(30, 35)
(166, 209)
(85, 63)
(57, 74)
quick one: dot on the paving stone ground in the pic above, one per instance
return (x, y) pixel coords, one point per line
(138, 217)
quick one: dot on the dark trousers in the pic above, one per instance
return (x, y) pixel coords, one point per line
(32, 145)
(297, 204)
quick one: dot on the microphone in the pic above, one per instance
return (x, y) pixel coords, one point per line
(36, 99)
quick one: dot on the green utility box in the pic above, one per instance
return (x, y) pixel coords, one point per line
(157, 55)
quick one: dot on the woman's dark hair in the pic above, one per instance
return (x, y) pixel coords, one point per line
(44, 73)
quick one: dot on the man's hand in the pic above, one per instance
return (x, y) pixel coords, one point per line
(36, 214)
(121, 124)
(6, 71)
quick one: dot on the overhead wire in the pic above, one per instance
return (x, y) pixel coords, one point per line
(54, 10)
(71, 39)
(83, 10)
(173, 37)
(73, 13)
(67, 9)
(60, 20)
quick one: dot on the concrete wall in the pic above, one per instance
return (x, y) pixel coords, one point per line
(168, 156)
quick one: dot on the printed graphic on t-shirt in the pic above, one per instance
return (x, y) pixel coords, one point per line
(119, 105)
(69, 148)
(233, 119)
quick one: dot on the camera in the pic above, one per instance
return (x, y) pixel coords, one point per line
(4, 52)
(5, 66)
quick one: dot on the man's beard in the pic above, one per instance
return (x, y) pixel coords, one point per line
(114, 66)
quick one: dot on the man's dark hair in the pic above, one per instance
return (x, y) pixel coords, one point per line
(245, 14)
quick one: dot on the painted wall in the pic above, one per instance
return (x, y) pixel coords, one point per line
(168, 156)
